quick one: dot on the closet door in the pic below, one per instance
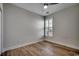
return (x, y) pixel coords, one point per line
(0, 31)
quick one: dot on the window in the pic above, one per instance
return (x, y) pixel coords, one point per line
(49, 27)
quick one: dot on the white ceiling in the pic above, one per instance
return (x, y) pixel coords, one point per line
(38, 7)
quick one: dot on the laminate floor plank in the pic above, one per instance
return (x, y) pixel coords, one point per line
(42, 48)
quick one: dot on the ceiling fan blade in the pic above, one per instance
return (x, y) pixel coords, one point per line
(50, 3)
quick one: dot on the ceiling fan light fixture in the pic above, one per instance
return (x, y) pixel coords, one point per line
(45, 6)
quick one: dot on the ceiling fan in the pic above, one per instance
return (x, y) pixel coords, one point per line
(46, 5)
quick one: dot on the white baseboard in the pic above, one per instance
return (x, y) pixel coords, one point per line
(14, 47)
(74, 47)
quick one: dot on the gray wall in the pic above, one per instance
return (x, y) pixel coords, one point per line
(66, 27)
(0, 28)
(0, 31)
(21, 26)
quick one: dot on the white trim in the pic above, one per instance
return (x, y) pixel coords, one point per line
(25, 44)
(74, 47)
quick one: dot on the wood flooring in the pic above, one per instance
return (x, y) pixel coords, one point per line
(42, 48)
